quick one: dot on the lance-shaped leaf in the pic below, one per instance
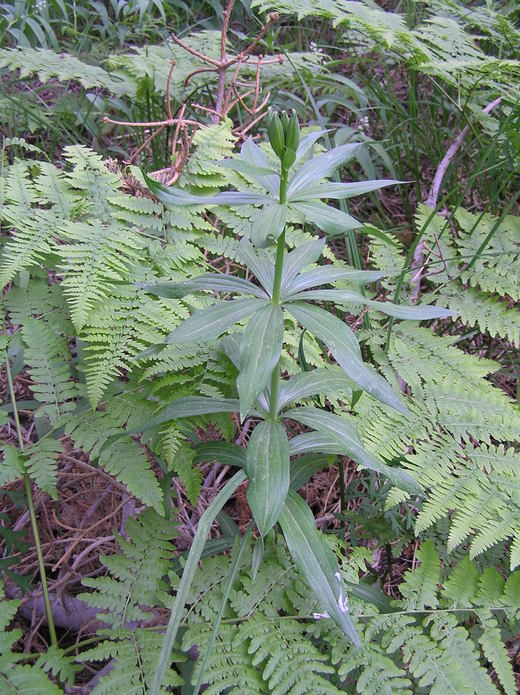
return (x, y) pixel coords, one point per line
(339, 430)
(300, 258)
(247, 168)
(420, 312)
(210, 323)
(307, 142)
(252, 154)
(177, 196)
(344, 347)
(268, 471)
(310, 442)
(260, 350)
(315, 559)
(260, 268)
(338, 191)
(210, 282)
(226, 454)
(326, 381)
(328, 275)
(329, 220)
(188, 407)
(269, 222)
(320, 167)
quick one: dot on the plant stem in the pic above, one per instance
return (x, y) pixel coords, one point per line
(277, 283)
(32, 513)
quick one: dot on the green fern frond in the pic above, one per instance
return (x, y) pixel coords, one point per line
(48, 64)
(97, 256)
(101, 435)
(122, 326)
(49, 367)
(133, 655)
(182, 463)
(287, 661)
(12, 466)
(420, 586)
(487, 312)
(42, 464)
(136, 576)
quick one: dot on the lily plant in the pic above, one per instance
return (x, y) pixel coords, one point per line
(284, 287)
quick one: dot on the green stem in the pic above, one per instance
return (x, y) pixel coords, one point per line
(32, 513)
(277, 283)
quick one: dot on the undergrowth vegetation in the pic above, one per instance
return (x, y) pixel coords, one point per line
(260, 430)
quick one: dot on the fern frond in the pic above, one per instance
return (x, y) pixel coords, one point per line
(12, 466)
(48, 64)
(98, 256)
(48, 358)
(42, 464)
(136, 581)
(121, 457)
(288, 662)
(122, 326)
(419, 587)
(134, 655)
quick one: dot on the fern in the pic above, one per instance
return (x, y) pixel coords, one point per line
(42, 464)
(98, 257)
(47, 358)
(267, 630)
(15, 677)
(419, 587)
(47, 64)
(133, 656)
(99, 435)
(137, 574)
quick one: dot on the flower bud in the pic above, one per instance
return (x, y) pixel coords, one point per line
(292, 135)
(276, 134)
(285, 122)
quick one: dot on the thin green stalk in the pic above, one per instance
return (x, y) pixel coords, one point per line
(277, 283)
(32, 512)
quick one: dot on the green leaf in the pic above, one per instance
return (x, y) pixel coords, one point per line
(304, 467)
(420, 312)
(316, 561)
(210, 323)
(226, 454)
(328, 275)
(311, 383)
(268, 470)
(177, 196)
(320, 167)
(244, 167)
(253, 155)
(260, 350)
(337, 191)
(298, 259)
(307, 142)
(261, 269)
(212, 282)
(309, 442)
(189, 407)
(328, 219)
(345, 349)
(269, 222)
(339, 430)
